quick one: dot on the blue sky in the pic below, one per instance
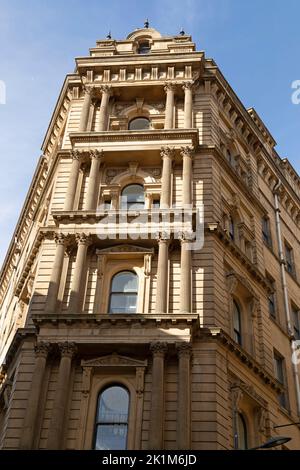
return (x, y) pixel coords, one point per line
(255, 43)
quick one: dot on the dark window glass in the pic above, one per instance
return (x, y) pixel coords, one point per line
(144, 47)
(272, 304)
(133, 197)
(266, 232)
(237, 330)
(123, 293)
(289, 259)
(231, 228)
(230, 157)
(272, 297)
(242, 432)
(156, 204)
(112, 419)
(279, 374)
(295, 314)
(139, 124)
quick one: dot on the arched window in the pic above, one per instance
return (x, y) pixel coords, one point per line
(123, 293)
(242, 432)
(139, 124)
(133, 197)
(112, 419)
(144, 47)
(231, 228)
(237, 325)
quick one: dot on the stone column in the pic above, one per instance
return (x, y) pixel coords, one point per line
(184, 396)
(33, 404)
(162, 275)
(188, 104)
(51, 300)
(106, 92)
(85, 112)
(169, 116)
(167, 155)
(96, 159)
(56, 427)
(83, 241)
(73, 180)
(187, 165)
(157, 396)
(185, 276)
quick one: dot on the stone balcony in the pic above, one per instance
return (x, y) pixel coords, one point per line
(130, 143)
(119, 222)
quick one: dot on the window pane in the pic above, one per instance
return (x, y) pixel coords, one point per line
(125, 282)
(111, 437)
(242, 432)
(123, 303)
(139, 124)
(113, 406)
(112, 419)
(133, 197)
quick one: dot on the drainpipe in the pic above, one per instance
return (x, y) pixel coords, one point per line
(285, 290)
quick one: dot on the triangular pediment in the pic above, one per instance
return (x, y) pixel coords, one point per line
(125, 249)
(113, 360)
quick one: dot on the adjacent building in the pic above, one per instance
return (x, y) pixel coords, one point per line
(150, 295)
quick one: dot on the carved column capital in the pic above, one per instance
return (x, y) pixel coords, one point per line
(167, 152)
(170, 86)
(186, 237)
(187, 85)
(107, 89)
(76, 154)
(96, 154)
(184, 349)
(61, 239)
(67, 349)
(90, 90)
(42, 349)
(162, 237)
(158, 349)
(187, 151)
(83, 239)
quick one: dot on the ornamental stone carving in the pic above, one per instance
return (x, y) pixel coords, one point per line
(42, 349)
(187, 151)
(67, 349)
(158, 349)
(184, 349)
(83, 239)
(167, 152)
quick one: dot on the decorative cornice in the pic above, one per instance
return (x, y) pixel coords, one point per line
(237, 252)
(141, 136)
(246, 358)
(84, 319)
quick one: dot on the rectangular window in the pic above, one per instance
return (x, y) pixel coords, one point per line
(156, 204)
(280, 376)
(266, 232)
(295, 320)
(107, 204)
(289, 259)
(272, 297)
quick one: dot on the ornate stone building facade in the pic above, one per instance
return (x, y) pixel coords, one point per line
(118, 328)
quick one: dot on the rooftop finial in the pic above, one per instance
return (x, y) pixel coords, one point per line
(182, 32)
(109, 35)
(146, 23)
